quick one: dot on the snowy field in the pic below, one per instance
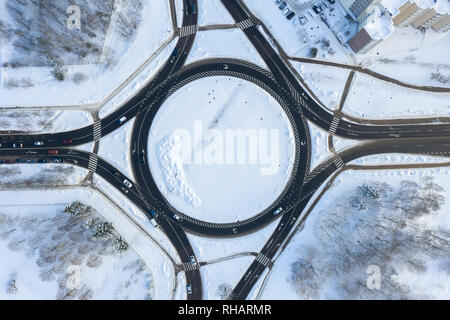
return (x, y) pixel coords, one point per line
(413, 57)
(48, 121)
(206, 179)
(396, 221)
(147, 248)
(121, 54)
(213, 12)
(49, 254)
(327, 83)
(372, 98)
(226, 44)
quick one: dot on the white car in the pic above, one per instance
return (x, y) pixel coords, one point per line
(177, 217)
(193, 261)
(39, 143)
(277, 211)
(127, 183)
(154, 223)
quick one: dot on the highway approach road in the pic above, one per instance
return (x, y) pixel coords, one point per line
(280, 82)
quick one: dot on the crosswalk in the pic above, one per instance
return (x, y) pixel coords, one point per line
(245, 24)
(93, 160)
(338, 162)
(97, 131)
(188, 266)
(334, 125)
(263, 259)
(188, 30)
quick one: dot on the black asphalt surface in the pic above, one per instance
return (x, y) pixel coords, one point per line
(282, 85)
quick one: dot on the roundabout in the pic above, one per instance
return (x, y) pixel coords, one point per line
(165, 166)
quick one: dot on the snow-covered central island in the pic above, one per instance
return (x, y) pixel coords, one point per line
(221, 149)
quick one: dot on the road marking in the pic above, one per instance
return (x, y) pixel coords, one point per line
(188, 266)
(334, 125)
(263, 259)
(188, 30)
(245, 24)
(92, 165)
(97, 131)
(338, 162)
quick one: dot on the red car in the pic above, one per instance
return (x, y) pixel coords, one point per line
(69, 141)
(53, 152)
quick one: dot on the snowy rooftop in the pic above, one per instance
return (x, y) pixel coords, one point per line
(378, 25)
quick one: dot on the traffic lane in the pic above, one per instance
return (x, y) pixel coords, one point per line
(140, 137)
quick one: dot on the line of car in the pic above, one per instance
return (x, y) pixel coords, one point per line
(19, 145)
(282, 5)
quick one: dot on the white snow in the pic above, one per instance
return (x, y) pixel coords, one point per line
(227, 191)
(230, 43)
(372, 98)
(213, 12)
(153, 31)
(431, 283)
(327, 83)
(23, 202)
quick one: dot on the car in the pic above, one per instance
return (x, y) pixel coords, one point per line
(332, 1)
(124, 189)
(8, 162)
(302, 20)
(19, 161)
(30, 161)
(17, 145)
(193, 8)
(177, 217)
(290, 15)
(39, 143)
(142, 158)
(122, 120)
(316, 9)
(127, 183)
(277, 211)
(189, 288)
(282, 5)
(154, 223)
(286, 11)
(193, 261)
(114, 172)
(153, 213)
(277, 1)
(42, 161)
(68, 141)
(58, 160)
(0, 145)
(54, 152)
(175, 51)
(1, 161)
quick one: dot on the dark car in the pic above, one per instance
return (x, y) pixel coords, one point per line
(54, 152)
(290, 15)
(19, 161)
(316, 9)
(8, 162)
(114, 172)
(142, 158)
(42, 161)
(68, 141)
(282, 5)
(17, 145)
(332, 1)
(193, 8)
